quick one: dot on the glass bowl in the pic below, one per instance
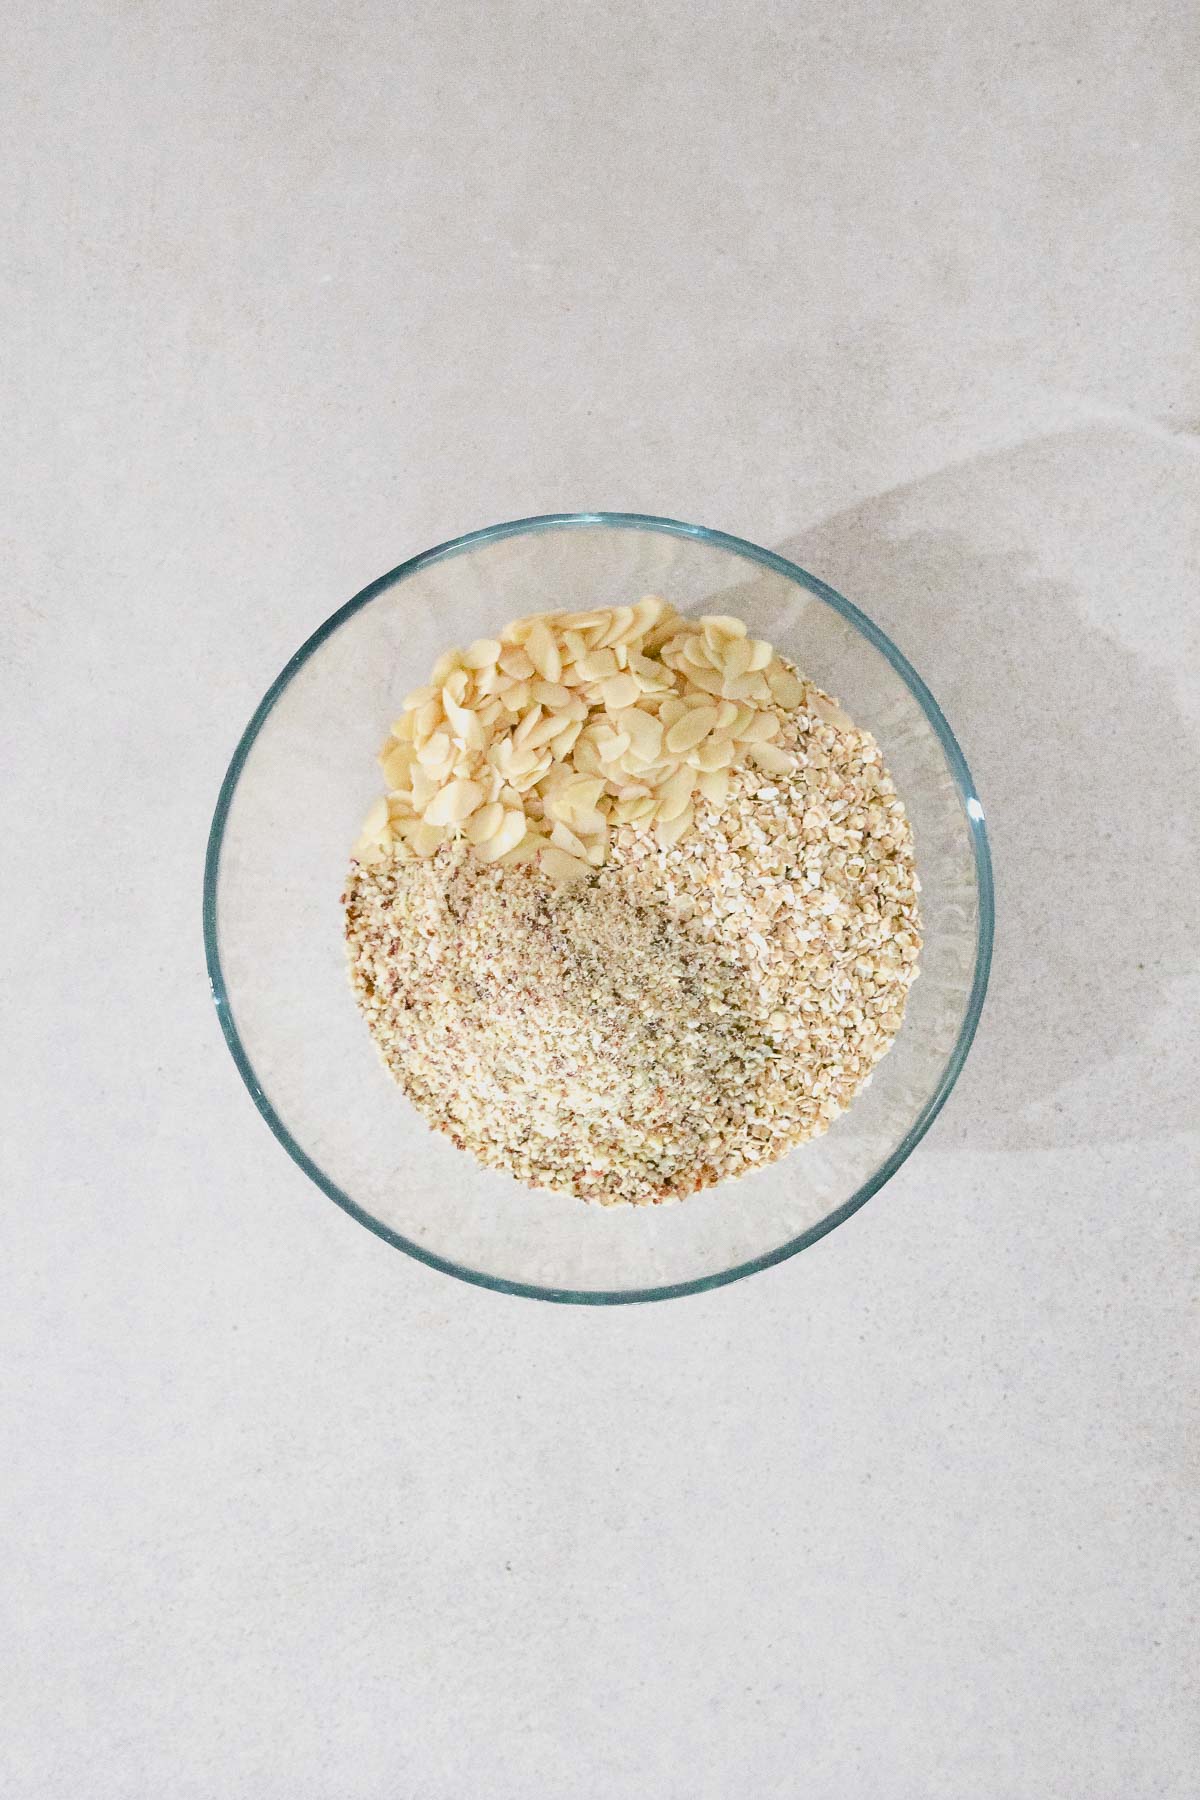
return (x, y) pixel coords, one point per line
(290, 808)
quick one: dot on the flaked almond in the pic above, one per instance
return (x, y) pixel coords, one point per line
(453, 803)
(716, 752)
(396, 765)
(427, 719)
(688, 730)
(620, 624)
(435, 753)
(620, 691)
(543, 651)
(521, 734)
(425, 839)
(506, 837)
(516, 662)
(560, 866)
(758, 729)
(645, 734)
(565, 838)
(485, 823)
(674, 794)
(736, 657)
(597, 665)
(419, 697)
(585, 720)
(711, 681)
(786, 688)
(714, 785)
(669, 831)
(771, 759)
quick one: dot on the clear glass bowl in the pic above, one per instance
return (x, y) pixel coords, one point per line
(289, 810)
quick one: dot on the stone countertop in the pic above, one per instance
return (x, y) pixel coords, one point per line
(911, 296)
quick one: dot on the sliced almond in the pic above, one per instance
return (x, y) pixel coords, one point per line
(506, 837)
(582, 621)
(453, 803)
(674, 794)
(396, 765)
(423, 787)
(827, 709)
(715, 752)
(428, 718)
(565, 838)
(516, 662)
(419, 697)
(669, 831)
(759, 729)
(425, 839)
(515, 698)
(612, 745)
(737, 654)
(545, 729)
(564, 742)
(710, 680)
(772, 759)
(645, 734)
(696, 653)
(523, 852)
(569, 723)
(597, 665)
(785, 687)
(463, 722)
(521, 734)
(436, 753)
(560, 866)
(690, 729)
(485, 823)
(620, 691)
(620, 622)
(747, 687)
(543, 651)
(714, 785)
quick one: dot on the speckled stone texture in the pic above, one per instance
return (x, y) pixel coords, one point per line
(295, 292)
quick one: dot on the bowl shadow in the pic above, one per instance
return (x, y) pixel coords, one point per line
(1087, 769)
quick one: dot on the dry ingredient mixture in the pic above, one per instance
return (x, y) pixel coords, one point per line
(611, 1003)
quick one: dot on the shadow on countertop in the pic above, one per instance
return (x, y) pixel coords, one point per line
(1086, 768)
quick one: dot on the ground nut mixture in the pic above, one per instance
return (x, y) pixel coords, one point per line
(678, 1014)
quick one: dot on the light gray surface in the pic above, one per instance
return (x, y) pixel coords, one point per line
(296, 293)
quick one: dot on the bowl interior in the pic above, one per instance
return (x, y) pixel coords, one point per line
(305, 773)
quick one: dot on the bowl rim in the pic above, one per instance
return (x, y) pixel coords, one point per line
(963, 780)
